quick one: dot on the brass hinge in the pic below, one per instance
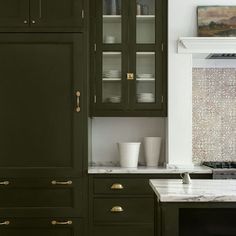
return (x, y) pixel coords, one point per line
(162, 47)
(162, 99)
(82, 14)
(95, 99)
(95, 47)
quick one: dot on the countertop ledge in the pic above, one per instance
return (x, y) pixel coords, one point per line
(168, 190)
(148, 170)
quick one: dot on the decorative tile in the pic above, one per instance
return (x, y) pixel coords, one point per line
(214, 114)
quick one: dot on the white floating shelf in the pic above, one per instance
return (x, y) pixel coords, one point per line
(111, 18)
(145, 79)
(111, 79)
(145, 18)
(193, 45)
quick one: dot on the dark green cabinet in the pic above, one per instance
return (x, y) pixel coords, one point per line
(41, 132)
(39, 14)
(41, 197)
(41, 226)
(128, 51)
(14, 13)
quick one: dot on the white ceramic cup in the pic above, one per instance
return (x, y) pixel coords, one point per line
(129, 153)
(152, 149)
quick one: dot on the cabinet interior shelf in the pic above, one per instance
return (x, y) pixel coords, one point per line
(119, 79)
(117, 18)
(145, 79)
(111, 79)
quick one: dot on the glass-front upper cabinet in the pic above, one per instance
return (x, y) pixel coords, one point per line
(128, 59)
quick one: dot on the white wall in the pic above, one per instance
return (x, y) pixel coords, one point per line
(182, 23)
(107, 131)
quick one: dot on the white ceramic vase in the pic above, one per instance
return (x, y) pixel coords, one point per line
(152, 149)
(129, 153)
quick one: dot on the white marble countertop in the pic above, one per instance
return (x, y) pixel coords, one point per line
(169, 190)
(148, 170)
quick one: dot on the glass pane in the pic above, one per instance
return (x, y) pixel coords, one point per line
(112, 21)
(111, 81)
(145, 77)
(145, 18)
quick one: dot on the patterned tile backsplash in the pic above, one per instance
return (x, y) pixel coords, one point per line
(214, 114)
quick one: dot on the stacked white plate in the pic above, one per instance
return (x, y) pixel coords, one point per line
(146, 97)
(115, 99)
(112, 74)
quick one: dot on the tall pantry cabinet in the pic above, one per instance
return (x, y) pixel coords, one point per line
(43, 118)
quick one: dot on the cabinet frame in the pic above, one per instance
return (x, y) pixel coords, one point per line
(128, 106)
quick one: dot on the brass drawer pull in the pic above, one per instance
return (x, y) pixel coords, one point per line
(5, 183)
(54, 222)
(54, 182)
(7, 222)
(78, 101)
(117, 186)
(130, 76)
(116, 209)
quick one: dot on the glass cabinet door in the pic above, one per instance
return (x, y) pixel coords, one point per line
(146, 55)
(110, 54)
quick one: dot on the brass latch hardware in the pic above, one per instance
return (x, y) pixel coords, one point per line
(130, 76)
(54, 182)
(78, 101)
(117, 186)
(7, 222)
(54, 222)
(5, 183)
(117, 209)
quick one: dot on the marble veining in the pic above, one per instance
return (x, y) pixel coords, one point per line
(214, 114)
(169, 190)
(147, 170)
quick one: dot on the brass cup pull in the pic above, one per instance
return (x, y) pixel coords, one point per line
(69, 182)
(5, 183)
(117, 209)
(54, 222)
(117, 186)
(130, 76)
(78, 101)
(7, 222)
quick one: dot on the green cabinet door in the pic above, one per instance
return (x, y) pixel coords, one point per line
(56, 13)
(40, 129)
(41, 226)
(14, 13)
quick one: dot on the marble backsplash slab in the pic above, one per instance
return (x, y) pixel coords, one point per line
(214, 114)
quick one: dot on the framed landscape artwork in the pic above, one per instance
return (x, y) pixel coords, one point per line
(216, 21)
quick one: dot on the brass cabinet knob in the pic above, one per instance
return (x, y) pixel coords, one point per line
(117, 186)
(130, 76)
(33, 21)
(117, 209)
(54, 222)
(25, 22)
(7, 222)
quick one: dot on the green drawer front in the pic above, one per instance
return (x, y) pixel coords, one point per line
(125, 210)
(135, 230)
(41, 197)
(40, 227)
(122, 186)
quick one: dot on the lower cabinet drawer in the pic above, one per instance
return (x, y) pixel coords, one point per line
(134, 230)
(122, 186)
(41, 227)
(123, 210)
(41, 197)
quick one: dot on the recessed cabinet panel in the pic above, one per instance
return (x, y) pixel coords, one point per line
(56, 13)
(22, 197)
(41, 226)
(14, 13)
(40, 130)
